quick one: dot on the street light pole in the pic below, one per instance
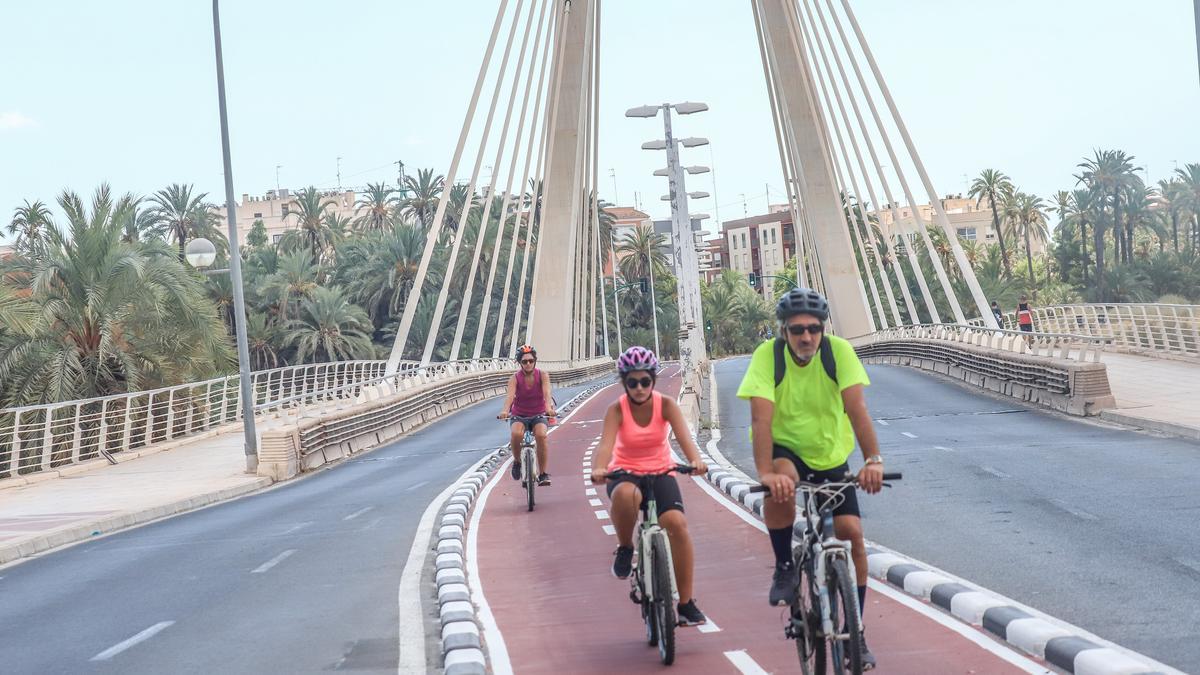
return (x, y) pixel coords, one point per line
(235, 264)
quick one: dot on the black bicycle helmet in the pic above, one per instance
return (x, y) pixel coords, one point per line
(802, 301)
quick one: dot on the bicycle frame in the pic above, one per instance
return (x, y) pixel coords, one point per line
(820, 542)
(648, 530)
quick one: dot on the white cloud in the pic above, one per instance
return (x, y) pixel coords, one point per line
(15, 120)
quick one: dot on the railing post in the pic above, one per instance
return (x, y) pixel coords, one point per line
(170, 415)
(77, 437)
(15, 458)
(127, 429)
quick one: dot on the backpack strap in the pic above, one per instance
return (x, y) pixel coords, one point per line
(828, 362)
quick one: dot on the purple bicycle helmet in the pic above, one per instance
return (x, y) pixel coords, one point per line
(637, 358)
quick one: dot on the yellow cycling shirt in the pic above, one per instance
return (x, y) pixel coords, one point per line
(809, 418)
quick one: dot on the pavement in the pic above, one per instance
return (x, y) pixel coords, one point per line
(1155, 394)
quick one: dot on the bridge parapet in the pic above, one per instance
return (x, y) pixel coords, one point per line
(1063, 373)
(1148, 328)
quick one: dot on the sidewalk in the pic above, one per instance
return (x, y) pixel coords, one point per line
(156, 482)
(1155, 394)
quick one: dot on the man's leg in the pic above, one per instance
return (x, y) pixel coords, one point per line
(779, 519)
(849, 528)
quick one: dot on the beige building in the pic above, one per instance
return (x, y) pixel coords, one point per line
(972, 222)
(274, 209)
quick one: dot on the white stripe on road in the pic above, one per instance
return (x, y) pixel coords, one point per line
(602, 515)
(742, 661)
(609, 529)
(358, 513)
(905, 433)
(588, 492)
(417, 486)
(995, 472)
(710, 627)
(944, 448)
(273, 561)
(595, 502)
(296, 528)
(136, 639)
(883, 422)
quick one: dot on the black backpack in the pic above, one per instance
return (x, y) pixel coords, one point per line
(828, 362)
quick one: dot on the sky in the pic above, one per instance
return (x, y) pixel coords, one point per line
(124, 92)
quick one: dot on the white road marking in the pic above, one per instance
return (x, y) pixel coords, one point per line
(746, 665)
(371, 525)
(1078, 513)
(297, 527)
(595, 502)
(944, 448)
(882, 422)
(358, 513)
(588, 492)
(905, 433)
(418, 486)
(602, 515)
(136, 639)
(609, 529)
(710, 627)
(995, 472)
(273, 561)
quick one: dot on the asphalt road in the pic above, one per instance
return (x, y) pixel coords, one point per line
(1088, 522)
(301, 578)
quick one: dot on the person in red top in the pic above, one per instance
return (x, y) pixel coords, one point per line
(635, 439)
(528, 404)
(1025, 316)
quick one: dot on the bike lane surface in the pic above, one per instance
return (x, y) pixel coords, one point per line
(545, 575)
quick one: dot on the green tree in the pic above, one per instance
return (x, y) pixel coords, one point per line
(312, 228)
(330, 328)
(294, 280)
(995, 187)
(179, 214)
(31, 223)
(1027, 214)
(375, 207)
(423, 193)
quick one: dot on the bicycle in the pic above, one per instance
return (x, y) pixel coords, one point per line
(529, 465)
(653, 579)
(825, 609)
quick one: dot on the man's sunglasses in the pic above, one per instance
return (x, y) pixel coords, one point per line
(811, 328)
(524, 361)
(635, 382)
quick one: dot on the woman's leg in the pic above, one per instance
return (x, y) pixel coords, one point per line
(626, 502)
(675, 524)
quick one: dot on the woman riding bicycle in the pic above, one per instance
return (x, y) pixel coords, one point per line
(529, 405)
(635, 439)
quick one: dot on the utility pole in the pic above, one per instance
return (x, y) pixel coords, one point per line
(339, 173)
(613, 173)
(277, 168)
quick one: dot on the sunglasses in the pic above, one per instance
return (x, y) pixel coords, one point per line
(524, 361)
(635, 382)
(811, 328)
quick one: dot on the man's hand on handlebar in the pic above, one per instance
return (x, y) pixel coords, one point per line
(781, 486)
(870, 478)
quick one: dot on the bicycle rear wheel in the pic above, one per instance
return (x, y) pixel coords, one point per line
(845, 653)
(806, 622)
(664, 598)
(528, 462)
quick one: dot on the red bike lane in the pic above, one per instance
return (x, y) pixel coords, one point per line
(551, 605)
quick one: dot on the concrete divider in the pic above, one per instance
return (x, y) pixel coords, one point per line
(315, 441)
(1074, 387)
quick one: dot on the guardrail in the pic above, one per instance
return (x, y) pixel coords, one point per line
(42, 437)
(1145, 327)
(391, 407)
(1052, 345)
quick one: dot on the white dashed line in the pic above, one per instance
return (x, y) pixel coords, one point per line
(882, 422)
(1078, 513)
(358, 513)
(273, 561)
(297, 527)
(905, 433)
(610, 530)
(136, 639)
(602, 515)
(710, 627)
(595, 502)
(418, 486)
(742, 661)
(995, 472)
(944, 448)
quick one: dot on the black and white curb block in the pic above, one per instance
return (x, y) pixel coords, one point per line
(1065, 646)
(462, 647)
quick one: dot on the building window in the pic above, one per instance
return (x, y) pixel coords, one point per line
(743, 240)
(275, 239)
(258, 215)
(285, 210)
(967, 233)
(773, 240)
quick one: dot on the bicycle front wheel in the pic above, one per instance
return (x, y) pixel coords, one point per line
(805, 628)
(664, 598)
(845, 648)
(528, 461)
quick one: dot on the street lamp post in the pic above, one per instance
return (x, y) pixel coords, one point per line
(235, 262)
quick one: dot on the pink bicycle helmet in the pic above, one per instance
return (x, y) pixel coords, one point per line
(637, 358)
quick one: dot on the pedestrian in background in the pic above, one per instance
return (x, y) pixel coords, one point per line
(1025, 317)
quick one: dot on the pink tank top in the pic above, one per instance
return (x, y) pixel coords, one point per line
(642, 449)
(529, 401)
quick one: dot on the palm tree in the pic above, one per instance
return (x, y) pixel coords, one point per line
(178, 214)
(641, 249)
(114, 316)
(378, 269)
(263, 337)
(1109, 172)
(1027, 214)
(424, 192)
(375, 207)
(30, 224)
(330, 328)
(1083, 205)
(312, 229)
(294, 280)
(1189, 178)
(995, 186)
(1172, 196)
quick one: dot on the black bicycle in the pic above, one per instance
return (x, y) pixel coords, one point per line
(653, 578)
(824, 614)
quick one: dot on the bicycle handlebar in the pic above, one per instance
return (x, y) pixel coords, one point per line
(850, 480)
(678, 468)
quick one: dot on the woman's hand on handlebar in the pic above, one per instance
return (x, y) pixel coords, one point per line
(599, 475)
(503, 415)
(699, 468)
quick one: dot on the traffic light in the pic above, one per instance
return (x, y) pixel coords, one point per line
(753, 280)
(644, 284)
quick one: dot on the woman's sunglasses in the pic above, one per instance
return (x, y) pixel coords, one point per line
(800, 329)
(635, 382)
(524, 361)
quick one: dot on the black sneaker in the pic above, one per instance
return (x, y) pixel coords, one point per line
(543, 480)
(623, 562)
(689, 614)
(784, 584)
(868, 659)
(516, 469)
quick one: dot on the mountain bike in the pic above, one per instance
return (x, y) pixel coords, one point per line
(653, 580)
(825, 621)
(529, 464)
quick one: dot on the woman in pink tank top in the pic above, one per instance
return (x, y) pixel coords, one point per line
(635, 439)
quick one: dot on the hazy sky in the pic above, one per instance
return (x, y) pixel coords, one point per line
(124, 91)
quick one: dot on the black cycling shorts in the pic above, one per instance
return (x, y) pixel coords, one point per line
(666, 491)
(1027, 327)
(529, 422)
(849, 505)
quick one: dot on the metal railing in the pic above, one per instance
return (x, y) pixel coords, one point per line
(1054, 345)
(1149, 327)
(42, 437)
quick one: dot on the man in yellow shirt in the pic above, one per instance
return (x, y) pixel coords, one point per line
(805, 417)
